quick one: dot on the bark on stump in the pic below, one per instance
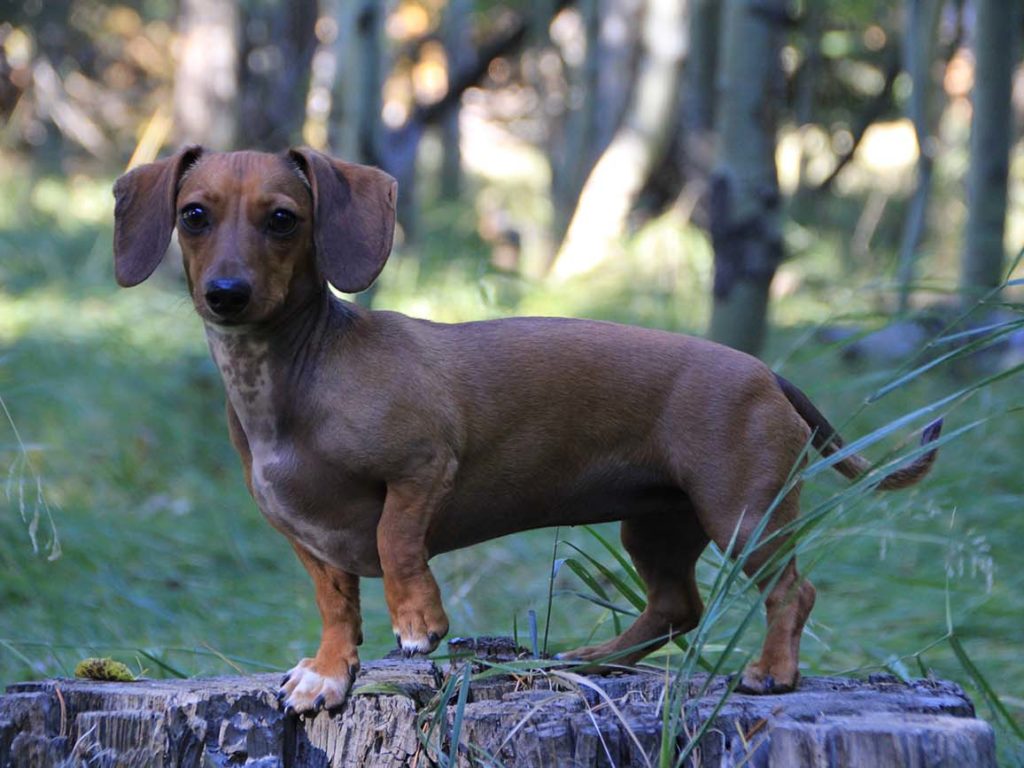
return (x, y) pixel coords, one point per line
(529, 720)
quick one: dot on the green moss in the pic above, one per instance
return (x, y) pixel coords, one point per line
(104, 669)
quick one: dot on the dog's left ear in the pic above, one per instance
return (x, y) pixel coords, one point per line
(353, 218)
(144, 214)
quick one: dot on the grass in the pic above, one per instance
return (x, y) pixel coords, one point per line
(166, 564)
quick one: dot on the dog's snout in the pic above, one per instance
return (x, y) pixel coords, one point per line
(228, 297)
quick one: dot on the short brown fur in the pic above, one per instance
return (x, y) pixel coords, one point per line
(374, 441)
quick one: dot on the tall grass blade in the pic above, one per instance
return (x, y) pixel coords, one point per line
(534, 640)
(600, 593)
(694, 741)
(616, 552)
(460, 709)
(667, 748)
(17, 654)
(162, 664)
(609, 703)
(1012, 325)
(635, 598)
(551, 588)
(616, 610)
(975, 346)
(433, 716)
(987, 691)
(41, 505)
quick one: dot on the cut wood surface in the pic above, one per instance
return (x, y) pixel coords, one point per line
(555, 719)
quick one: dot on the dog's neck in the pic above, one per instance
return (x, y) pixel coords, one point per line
(244, 364)
(261, 364)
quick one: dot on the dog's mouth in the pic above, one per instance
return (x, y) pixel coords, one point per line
(224, 324)
(254, 313)
(236, 320)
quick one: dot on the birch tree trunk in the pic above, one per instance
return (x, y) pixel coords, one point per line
(281, 40)
(573, 149)
(356, 123)
(206, 77)
(457, 47)
(361, 135)
(323, 79)
(356, 130)
(996, 40)
(599, 90)
(920, 41)
(615, 68)
(695, 148)
(612, 187)
(745, 209)
(700, 78)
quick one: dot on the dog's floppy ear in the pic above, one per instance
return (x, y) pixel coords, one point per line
(353, 218)
(144, 214)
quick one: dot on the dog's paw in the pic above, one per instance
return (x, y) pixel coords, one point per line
(760, 683)
(420, 630)
(305, 690)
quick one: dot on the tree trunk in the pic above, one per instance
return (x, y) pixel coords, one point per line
(700, 77)
(206, 77)
(356, 130)
(997, 31)
(921, 27)
(323, 79)
(806, 86)
(363, 135)
(395, 718)
(574, 145)
(693, 152)
(614, 69)
(281, 40)
(457, 48)
(639, 144)
(356, 123)
(745, 215)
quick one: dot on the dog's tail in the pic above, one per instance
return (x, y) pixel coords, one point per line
(825, 438)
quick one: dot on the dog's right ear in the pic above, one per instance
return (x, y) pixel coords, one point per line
(144, 214)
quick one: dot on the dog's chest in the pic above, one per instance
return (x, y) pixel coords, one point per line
(293, 491)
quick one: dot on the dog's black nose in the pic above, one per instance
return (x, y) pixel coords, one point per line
(228, 297)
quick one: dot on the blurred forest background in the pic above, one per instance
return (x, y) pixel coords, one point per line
(836, 186)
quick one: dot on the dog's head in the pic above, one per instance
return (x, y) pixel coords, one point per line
(257, 230)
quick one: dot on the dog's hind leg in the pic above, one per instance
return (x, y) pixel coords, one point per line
(788, 597)
(664, 547)
(788, 604)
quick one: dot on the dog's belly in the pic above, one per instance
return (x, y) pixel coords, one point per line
(478, 512)
(337, 524)
(335, 518)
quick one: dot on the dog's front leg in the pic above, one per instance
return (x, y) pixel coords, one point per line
(323, 681)
(412, 594)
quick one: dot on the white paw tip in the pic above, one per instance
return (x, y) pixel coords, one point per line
(309, 691)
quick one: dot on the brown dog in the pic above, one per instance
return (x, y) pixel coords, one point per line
(374, 441)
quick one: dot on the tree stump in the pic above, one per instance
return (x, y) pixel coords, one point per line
(396, 716)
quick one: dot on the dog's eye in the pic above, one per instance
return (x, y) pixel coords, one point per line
(194, 218)
(282, 222)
